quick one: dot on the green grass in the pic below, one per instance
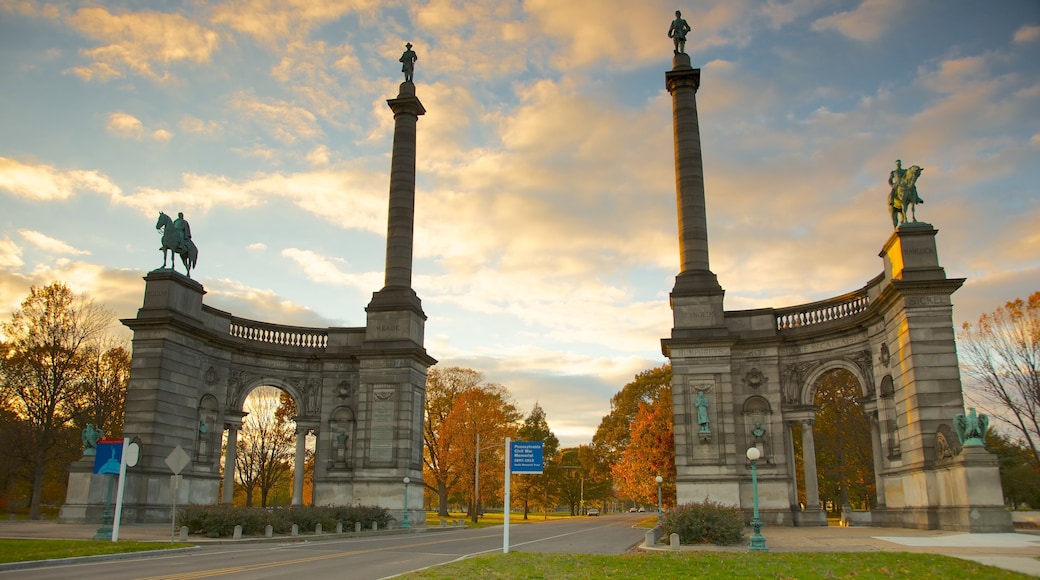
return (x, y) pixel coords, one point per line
(491, 519)
(26, 550)
(721, 565)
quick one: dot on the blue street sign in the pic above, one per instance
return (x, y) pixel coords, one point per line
(526, 457)
(109, 456)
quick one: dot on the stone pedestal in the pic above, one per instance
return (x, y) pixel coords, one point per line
(85, 498)
(970, 493)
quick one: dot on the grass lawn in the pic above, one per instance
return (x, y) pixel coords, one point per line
(26, 550)
(490, 519)
(725, 565)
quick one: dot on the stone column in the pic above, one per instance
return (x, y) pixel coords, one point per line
(301, 451)
(792, 466)
(875, 447)
(228, 494)
(407, 109)
(812, 490)
(694, 272)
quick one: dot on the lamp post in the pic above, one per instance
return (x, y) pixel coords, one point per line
(405, 523)
(758, 541)
(660, 518)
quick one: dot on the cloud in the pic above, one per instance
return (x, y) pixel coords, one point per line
(258, 304)
(28, 8)
(10, 254)
(143, 43)
(282, 120)
(124, 125)
(1026, 34)
(257, 246)
(162, 135)
(273, 22)
(323, 270)
(319, 155)
(312, 70)
(49, 244)
(868, 22)
(194, 125)
(45, 183)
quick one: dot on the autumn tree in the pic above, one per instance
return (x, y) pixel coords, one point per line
(1000, 355)
(106, 375)
(614, 434)
(649, 453)
(1019, 480)
(539, 489)
(844, 454)
(41, 364)
(265, 451)
(443, 388)
(486, 411)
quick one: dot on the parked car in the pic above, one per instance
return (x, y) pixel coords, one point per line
(642, 509)
(593, 512)
(632, 510)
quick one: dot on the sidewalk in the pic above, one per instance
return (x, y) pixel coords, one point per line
(1018, 552)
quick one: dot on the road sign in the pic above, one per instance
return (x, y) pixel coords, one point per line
(108, 457)
(177, 460)
(526, 457)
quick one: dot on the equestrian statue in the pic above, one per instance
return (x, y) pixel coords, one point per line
(176, 238)
(902, 197)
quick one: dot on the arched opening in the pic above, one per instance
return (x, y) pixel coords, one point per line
(843, 446)
(269, 452)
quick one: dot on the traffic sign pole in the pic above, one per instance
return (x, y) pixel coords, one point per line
(506, 510)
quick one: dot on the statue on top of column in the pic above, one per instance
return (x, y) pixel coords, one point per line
(903, 197)
(408, 62)
(677, 32)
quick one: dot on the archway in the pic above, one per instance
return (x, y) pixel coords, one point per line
(844, 450)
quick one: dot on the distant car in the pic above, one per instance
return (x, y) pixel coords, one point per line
(632, 510)
(642, 509)
(593, 512)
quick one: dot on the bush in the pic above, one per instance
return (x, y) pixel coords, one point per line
(705, 523)
(215, 521)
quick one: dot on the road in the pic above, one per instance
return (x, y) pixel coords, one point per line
(359, 558)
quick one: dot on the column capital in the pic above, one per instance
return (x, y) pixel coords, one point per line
(682, 78)
(406, 105)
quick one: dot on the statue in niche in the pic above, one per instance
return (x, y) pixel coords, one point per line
(758, 432)
(90, 437)
(903, 193)
(971, 428)
(341, 454)
(702, 412)
(408, 62)
(203, 447)
(885, 357)
(677, 32)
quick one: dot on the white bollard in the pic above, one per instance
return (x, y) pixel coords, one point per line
(674, 541)
(296, 529)
(238, 532)
(269, 531)
(317, 529)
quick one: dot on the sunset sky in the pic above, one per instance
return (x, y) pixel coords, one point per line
(546, 239)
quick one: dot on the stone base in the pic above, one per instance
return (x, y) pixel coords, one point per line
(810, 517)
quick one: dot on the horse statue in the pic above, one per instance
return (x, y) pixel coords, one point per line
(175, 242)
(904, 197)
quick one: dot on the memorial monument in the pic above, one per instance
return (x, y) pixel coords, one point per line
(360, 391)
(747, 378)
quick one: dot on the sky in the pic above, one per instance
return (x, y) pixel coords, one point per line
(545, 225)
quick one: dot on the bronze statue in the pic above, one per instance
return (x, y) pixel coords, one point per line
(677, 32)
(702, 412)
(176, 238)
(902, 195)
(971, 428)
(90, 437)
(408, 62)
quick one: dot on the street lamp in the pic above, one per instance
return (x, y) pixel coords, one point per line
(660, 480)
(405, 523)
(758, 541)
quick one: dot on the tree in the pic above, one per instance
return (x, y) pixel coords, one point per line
(841, 434)
(614, 434)
(443, 388)
(650, 453)
(265, 450)
(1019, 480)
(106, 374)
(41, 363)
(486, 411)
(1001, 356)
(538, 488)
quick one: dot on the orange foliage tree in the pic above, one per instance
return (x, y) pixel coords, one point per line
(649, 453)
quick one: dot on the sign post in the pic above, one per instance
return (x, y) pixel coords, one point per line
(522, 457)
(177, 460)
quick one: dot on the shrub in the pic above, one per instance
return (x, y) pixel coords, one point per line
(215, 521)
(706, 522)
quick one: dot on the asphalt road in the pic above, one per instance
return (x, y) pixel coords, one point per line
(358, 558)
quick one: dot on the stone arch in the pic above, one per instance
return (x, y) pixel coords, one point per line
(809, 388)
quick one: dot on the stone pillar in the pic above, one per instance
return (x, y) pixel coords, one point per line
(812, 490)
(298, 467)
(695, 275)
(792, 467)
(397, 288)
(228, 494)
(875, 444)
